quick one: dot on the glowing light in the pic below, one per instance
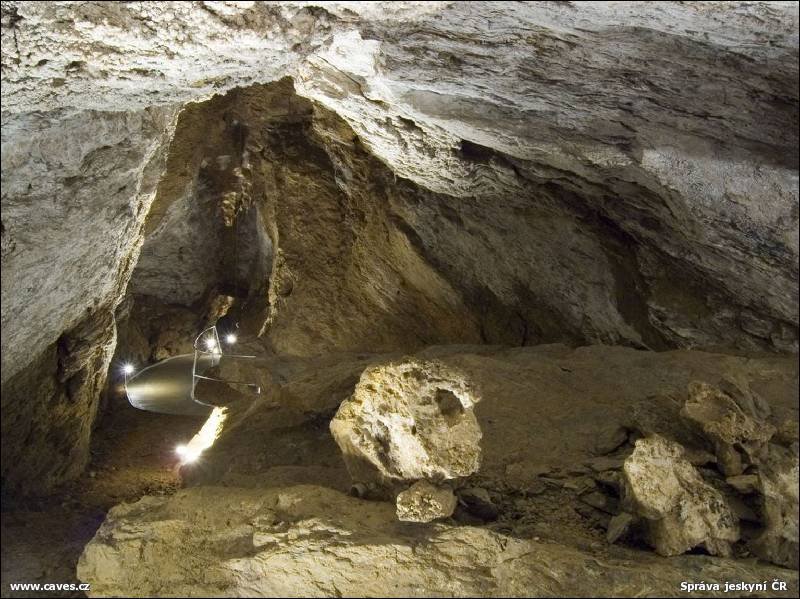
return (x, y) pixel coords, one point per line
(230, 338)
(211, 344)
(127, 369)
(204, 438)
(188, 454)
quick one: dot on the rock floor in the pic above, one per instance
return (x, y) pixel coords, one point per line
(544, 463)
(132, 455)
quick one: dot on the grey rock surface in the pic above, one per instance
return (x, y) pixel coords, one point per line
(75, 192)
(498, 172)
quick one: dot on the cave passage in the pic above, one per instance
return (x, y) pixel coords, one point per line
(399, 299)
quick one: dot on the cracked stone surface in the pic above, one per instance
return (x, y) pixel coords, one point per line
(626, 112)
(779, 480)
(406, 421)
(738, 437)
(424, 502)
(399, 199)
(545, 172)
(681, 511)
(238, 540)
(75, 193)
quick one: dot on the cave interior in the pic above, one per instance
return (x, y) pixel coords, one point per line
(399, 298)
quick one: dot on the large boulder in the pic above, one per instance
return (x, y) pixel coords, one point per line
(742, 439)
(680, 510)
(408, 421)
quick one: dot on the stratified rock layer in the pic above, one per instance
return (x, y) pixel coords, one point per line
(438, 179)
(623, 114)
(75, 192)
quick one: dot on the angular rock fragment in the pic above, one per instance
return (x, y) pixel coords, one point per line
(424, 502)
(604, 463)
(742, 509)
(778, 475)
(787, 433)
(750, 402)
(408, 421)
(609, 439)
(727, 426)
(609, 480)
(680, 510)
(619, 526)
(600, 501)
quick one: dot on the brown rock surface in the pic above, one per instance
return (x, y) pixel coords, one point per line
(424, 502)
(402, 208)
(231, 541)
(727, 426)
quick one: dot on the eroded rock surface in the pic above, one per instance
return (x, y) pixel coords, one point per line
(409, 420)
(778, 474)
(424, 502)
(405, 203)
(373, 179)
(584, 112)
(311, 541)
(553, 498)
(732, 431)
(75, 193)
(681, 510)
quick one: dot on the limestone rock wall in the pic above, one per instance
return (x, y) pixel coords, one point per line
(75, 193)
(450, 172)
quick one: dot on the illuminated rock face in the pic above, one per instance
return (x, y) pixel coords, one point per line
(681, 511)
(309, 541)
(779, 483)
(408, 421)
(623, 114)
(423, 502)
(540, 412)
(739, 439)
(521, 173)
(682, 506)
(76, 189)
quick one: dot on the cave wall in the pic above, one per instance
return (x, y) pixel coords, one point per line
(368, 261)
(642, 122)
(201, 234)
(441, 172)
(75, 192)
